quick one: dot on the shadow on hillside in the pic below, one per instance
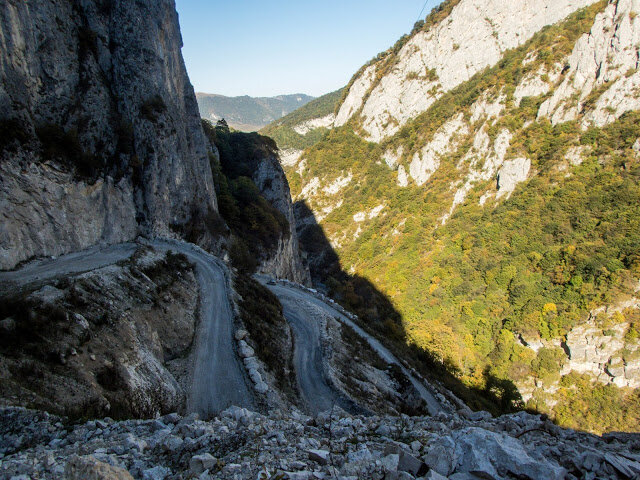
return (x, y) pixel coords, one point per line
(379, 317)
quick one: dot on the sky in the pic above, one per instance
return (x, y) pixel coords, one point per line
(246, 47)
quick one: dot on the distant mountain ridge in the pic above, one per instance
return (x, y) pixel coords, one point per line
(249, 113)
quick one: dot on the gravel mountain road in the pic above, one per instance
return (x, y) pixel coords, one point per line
(297, 301)
(46, 269)
(305, 320)
(218, 379)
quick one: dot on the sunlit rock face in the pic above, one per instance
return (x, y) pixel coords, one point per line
(474, 36)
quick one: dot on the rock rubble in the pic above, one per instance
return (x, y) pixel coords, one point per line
(240, 444)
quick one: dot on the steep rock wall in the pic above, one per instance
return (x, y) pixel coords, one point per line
(286, 261)
(101, 88)
(603, 79)
(474, 36)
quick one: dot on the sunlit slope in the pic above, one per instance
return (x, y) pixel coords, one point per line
(503, 220)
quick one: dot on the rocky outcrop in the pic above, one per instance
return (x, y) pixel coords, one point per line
(427, 161)
(99, 88)
(511, 174)
(603, 354)
(114, 341)
(602, 79)
(474, 36)
(309, 125)
(286, 262)
(353, 102)
(484, 160)
(39, 200)
(297, 447)
(601, 347)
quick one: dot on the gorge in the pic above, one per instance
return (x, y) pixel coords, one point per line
(431, 273)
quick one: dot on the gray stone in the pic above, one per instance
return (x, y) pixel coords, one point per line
(171, 418)
(399, 475)
(321, 457)
(156, 473)
(201, 463)
(628, 468)
(406, 461)
(8, 325)
(244, 350)
(390, 462)
(300, 475)
(590, 461)
(440, 456)
(433, 475)
(172, 443)
(480, 416)
(482, 452)
(262, 387)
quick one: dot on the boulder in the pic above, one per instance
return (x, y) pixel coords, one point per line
(440, 456)
(89, 468)
(390, 462)
(319, 456)
(480, 416)
(488, 454)
(433, 475)
(406, 462)
(628, 468)
(201, 463)
(244, 350)
(156, 473)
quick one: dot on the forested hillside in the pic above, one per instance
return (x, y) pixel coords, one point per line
(501, 221)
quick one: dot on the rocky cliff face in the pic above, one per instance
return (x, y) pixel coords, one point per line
(602, 77)
(286, 262)
(605, 349)
(102, 133)
(474, 36)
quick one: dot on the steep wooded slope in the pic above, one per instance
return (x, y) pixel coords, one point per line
(501, 218)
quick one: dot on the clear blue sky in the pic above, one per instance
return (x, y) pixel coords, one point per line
(246, 47)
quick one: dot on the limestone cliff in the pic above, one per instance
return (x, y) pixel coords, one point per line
(101, 132)
(602, 79)
(286, 261)
(475, 35)
(255, 201)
